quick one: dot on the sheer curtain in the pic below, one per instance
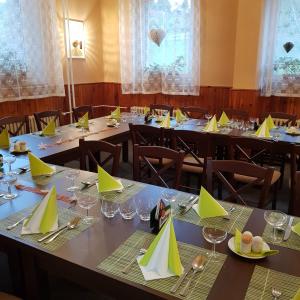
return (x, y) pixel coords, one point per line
(160, 46)
(280, 54)
(30, 62)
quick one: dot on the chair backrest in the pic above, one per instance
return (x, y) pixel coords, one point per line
(16, 125)
(170, 168)
(146, 135)
(280, 118)
(224, 171)
(161, 109)
(294, 207)
(194, 112)
(94, 150)
(235, 113)
(43, 118)
(79, 111)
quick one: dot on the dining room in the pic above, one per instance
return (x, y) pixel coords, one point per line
(149, 149)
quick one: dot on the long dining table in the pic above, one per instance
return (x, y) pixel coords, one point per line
(79, 258)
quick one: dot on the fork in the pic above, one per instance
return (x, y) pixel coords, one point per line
(276, 293)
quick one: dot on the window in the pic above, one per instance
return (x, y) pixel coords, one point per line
(280, 66)
(160, 46)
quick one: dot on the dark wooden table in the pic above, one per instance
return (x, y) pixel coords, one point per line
(77, 259)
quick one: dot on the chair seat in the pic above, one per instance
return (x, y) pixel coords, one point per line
(4, 296)
(155, 161)
(191, 165)
(248, 179)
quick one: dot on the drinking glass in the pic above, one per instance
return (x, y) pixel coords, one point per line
(9, 160)
(143, 208)
(276, 219)
(128, 209)
(252, 121)
(86, 201)
(72, 175)
(169, 196)
(8, 179)
(208, 116)
(109, 206)
(213, 236)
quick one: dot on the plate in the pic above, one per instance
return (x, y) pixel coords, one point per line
(232, 248)
(293, 133)
(14, 152)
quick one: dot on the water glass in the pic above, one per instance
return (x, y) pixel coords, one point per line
(169, 197)
(109, 206)
(72, 175)
(143, 208)
(213, 236)
(276, 219)
(128, 209)
(8, 179)
(86, 201)
(208, 116)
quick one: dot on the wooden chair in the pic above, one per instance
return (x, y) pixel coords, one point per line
(235, 113)
(294, 207)
(160, 109)
(93, 149)
(79, 111)
(146, 135)
(279, 118)
(43, 118)
(194, 112)
(223, 170)
(197, 147)
(145, 171)
(16, 125)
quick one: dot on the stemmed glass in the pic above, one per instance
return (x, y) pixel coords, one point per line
(8, 179)
(252, 121)
(276, 219)
(208, 116)
(86, 201)
(72, 175)
(169, 196)
(9, 160)
(213, 236)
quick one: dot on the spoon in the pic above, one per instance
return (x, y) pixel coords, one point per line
(198, 266)
(276, 293)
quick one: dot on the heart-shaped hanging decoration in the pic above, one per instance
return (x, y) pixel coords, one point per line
(157, 36)
(288, 46)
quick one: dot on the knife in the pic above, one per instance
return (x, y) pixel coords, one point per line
(189, 206)
(180, 280)
(288, 229)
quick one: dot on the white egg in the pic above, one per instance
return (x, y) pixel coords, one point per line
(257, 244)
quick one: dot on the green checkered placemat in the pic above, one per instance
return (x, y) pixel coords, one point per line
(131, 188)
(238, 219)
(264, 280)
(201, 284)
(293, 241)
(64, 216)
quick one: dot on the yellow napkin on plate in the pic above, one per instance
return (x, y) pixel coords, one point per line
(38, 167)
(212, 125)
(263, 131)
(146, 110)
(270, 122)
(208, 206)
(180, 117)
(107, 183)
(296, 228)
(44, 217)
(4, 138)
(116, 114)
(297, 296)
(162, 258)
(223, 119)
(237, 246)
(49, 129)
(166, 123)
(84, 121)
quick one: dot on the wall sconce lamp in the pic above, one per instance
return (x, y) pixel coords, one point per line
(75, 38)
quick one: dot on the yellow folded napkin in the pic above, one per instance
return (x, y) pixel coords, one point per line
(49, 129)
(44, 217)
(212, 125)
(116, 114)
(270, 122)
(296, 228)
(223, 119)
(263, 131)
(83, 122)
(146, 110)
(38, 167)
(297, 296)
(166, 123)
(107, 183)
(208, 206)
(4, 138)
(180, 117)
(162, 258)
(237, 246)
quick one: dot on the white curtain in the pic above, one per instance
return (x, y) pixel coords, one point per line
(280, 49)
(30, 62)
(160, 46)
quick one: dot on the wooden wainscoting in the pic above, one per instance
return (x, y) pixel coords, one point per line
(212, 98)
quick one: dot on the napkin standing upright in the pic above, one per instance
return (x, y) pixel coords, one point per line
(212, 125)
(107, 183)
(162, 258)
(116, 114)
(49, 129)
(38, 167)
(84, 121)
(44, 217)
(166, 123)
(270, 122)
(146, 110)
(263, 130)
(296, 228)
(4, 138)
(223, 119)
(180, 117)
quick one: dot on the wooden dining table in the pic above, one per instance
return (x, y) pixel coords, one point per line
(77, 259)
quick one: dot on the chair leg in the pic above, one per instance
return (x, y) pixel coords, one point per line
(274, 197)
(282, 168)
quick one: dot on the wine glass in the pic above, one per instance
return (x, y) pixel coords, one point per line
(8, 179)
(252, 121)
(9, 160)
(72, 175)
(276, 219)
(86, 201)
(208, 116)
(213, 236)
(169, 196)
